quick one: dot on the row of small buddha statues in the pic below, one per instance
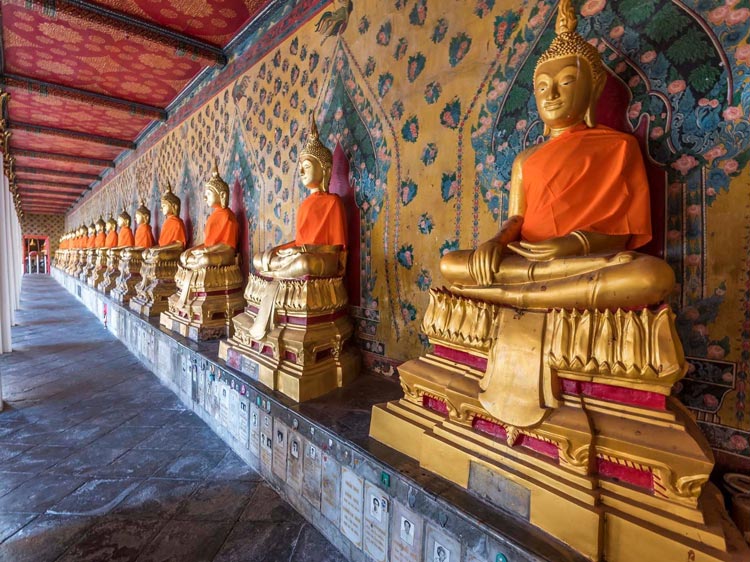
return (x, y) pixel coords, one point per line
(547, 389)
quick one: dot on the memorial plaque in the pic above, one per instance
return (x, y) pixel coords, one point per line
(439, 546)
(499, 490)
(352, 505)
(312, 476)
(254, 430)
(266, 443)
(377, 519)
(234, 413)
(250, 368)
(224, 406)
(201, 385)
(164, 360)
(195, 386)
(280, 448)
(294, 466)
(408, 526)
(330, 487)
(243, 414)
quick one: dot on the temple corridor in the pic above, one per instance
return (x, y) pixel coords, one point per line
(99, 461)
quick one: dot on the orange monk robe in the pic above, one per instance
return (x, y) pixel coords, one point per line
(111, 240)
(78, 243)
(589, 179)
(144, 237)
(63, 245)
(321, 219)
(125, 237)
(222, 228)
(91, 241)
(99, 240)
(173, 230)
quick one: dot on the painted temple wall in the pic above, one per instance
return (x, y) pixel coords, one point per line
(44, 225)
(431, 101)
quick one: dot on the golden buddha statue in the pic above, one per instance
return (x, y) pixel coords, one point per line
(100, 257)
(554, 356)
(76, 261)
(130, 257)
(294, 334)
(209, 280)
(125, 239)
(89, 254)
(160, 262)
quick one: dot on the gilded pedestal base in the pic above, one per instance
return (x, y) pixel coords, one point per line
(156, 286)
(130, 276)
(599, 455)
(304, 353)
(111, 274)
(100, 268)
(206, 301)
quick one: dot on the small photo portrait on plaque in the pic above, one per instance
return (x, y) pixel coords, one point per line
(295, 448)
(407, 531)
(312, 452)
(279, 436)
(376, 507)
(254, 419)
(440, 553)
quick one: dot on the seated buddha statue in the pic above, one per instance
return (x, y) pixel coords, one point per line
(100, 257)
(295, 329)
(160, 262)
(125, 239)
(208, 279)
(554, 355)
(130, 257)
(89, 254)
(110, 241)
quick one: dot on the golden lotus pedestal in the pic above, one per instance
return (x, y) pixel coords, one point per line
(130, 276)
(82, 265)
(111, 274)
(100, 268)
(206, 301)
(564, 418)
(156, 286)
(304, 352)
(88, 269)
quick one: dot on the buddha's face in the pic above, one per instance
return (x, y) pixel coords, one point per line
(310, 173)
(140, 218)
(99, 228)
(92, 231)
(121, 222)
(167, 209)
(563, 89)
(212, 197)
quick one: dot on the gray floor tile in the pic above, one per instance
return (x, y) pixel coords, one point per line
(217, 501)
(157, 498)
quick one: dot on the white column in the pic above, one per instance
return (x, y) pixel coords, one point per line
(7, 273)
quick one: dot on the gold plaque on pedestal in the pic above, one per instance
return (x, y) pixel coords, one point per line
(303, 347)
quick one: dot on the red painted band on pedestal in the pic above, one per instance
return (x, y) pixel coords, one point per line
(473, 361)
(435, 404)
(631, 475)
(619, 394)
(302, 320)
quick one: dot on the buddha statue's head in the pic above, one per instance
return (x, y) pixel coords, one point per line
(170, 203)
(315, 162)
(92, 229)
(569, 76)
(142, 214)
(217, 190)
(123, 219)
(111, 223)
(100, 224)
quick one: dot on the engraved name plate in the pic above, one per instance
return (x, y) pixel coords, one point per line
(266, 444)
(439, 546)
(243, 413)
(224, 406)
(294, 465)
(312, 474)
(377, 518)
(254, 430)
(280, 448)
(499, 490)
(234, 413)
(331, 484)
(352, 505)
(407, 530)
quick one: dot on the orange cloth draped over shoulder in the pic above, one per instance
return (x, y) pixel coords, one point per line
(111, 240)
(222, 228)
(125, 237)
(79, 243)
(173, 230)
(99, 240)
(144, 236)
(91, 242)
(321, 219)
(589, 179)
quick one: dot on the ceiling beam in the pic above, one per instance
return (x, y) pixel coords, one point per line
(18, 152)
(36, 196)
(58, 90)
(63, 173)
(129, 24)
(23, 182)
(88, 137)
(39, 191)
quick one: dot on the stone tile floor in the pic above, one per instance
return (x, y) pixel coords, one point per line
(99, 462)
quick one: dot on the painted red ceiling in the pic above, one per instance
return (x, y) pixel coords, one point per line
(74, 115)
(215, 21)
(104, 68)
